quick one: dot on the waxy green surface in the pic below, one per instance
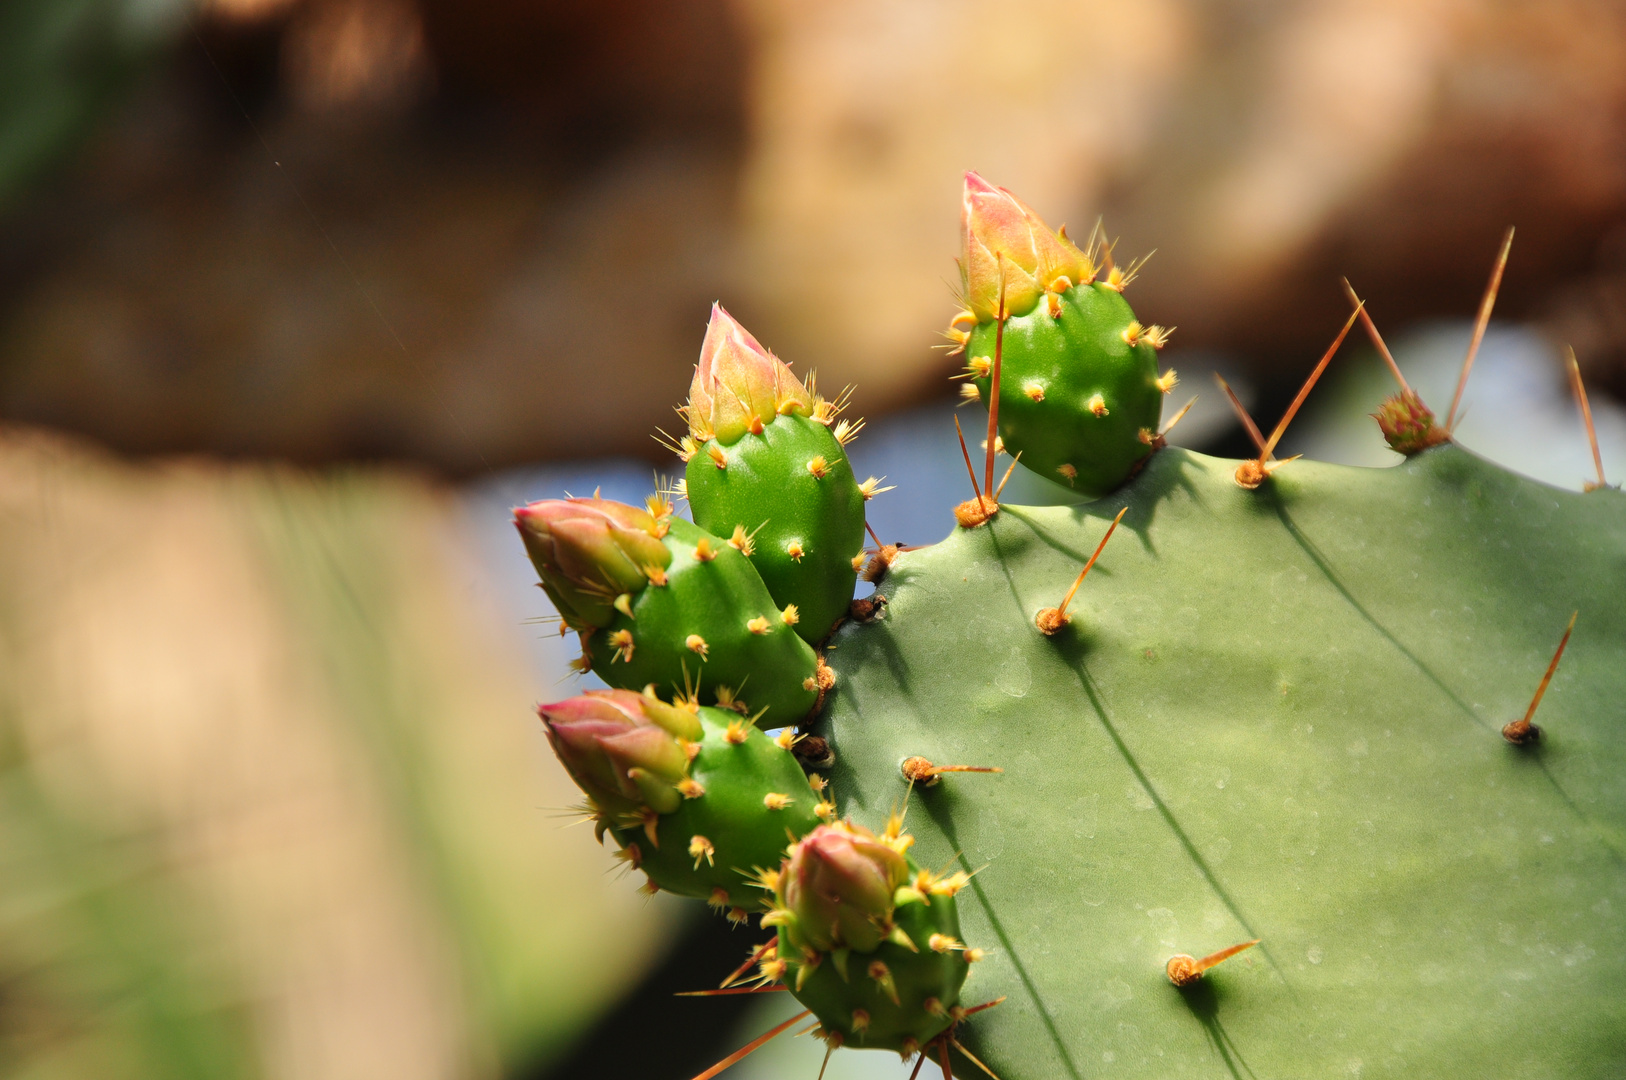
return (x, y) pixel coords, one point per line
(767, 488)
(917, 975)
(744, 834)
(715, 599)
(1071, 359)
(1276, 714)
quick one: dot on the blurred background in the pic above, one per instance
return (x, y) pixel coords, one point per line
(298, 297)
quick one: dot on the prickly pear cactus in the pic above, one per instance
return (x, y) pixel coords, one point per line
(1287, 722)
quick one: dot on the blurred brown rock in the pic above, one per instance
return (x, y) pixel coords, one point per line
(483, 233)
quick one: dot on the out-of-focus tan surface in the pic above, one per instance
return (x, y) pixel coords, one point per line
(272, 804)
(1263, 151)
(487, 233)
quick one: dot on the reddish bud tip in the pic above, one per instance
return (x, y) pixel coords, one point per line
(738, 385)
(625, 750)
(1003, 240)
(588, 552)
(838, 883)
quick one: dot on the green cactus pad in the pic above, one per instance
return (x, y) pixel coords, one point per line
(1051, 368)
(731, 815)
(917, 975)
(715, 600)
(1275, 714)
(767, 488)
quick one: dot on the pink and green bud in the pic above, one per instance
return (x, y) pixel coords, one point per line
(838, 885)
(1408, 425)
(1003, 239)
(589, 552)
(738, 385)
(625, 750)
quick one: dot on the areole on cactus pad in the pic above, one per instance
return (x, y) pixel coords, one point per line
(1286, 724)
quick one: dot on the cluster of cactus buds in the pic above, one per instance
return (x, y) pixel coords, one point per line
(708, 630)
(725, 611)
(716, 612)
(1079, 393)
(868, 940)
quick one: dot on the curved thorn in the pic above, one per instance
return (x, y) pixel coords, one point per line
(1179, 416)
(1586, 412)
(1241, 413)
(976, 492)
(1552, 667)
(958, 1045)
(993, 384)
(1068, 599)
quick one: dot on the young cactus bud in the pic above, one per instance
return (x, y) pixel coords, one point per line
(868, 941)
(695, 800)
(1003, 239)
(660, 601)
(738, 385)
(625, 750)
(1079, 376)
(775, 472)
(589, 552)
(838, 883)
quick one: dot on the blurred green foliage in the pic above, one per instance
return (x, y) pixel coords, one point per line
(89, 934)
(61, 63)
(272, 801)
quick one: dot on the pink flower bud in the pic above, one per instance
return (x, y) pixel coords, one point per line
(838, 883)
(589, 551)
(1003, 236)
(738, 385)
(622, 748)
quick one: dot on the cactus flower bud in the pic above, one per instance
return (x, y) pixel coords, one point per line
(1001, 235)
(738, 385)
(590, 551)
(623, 749)
(838, 884)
